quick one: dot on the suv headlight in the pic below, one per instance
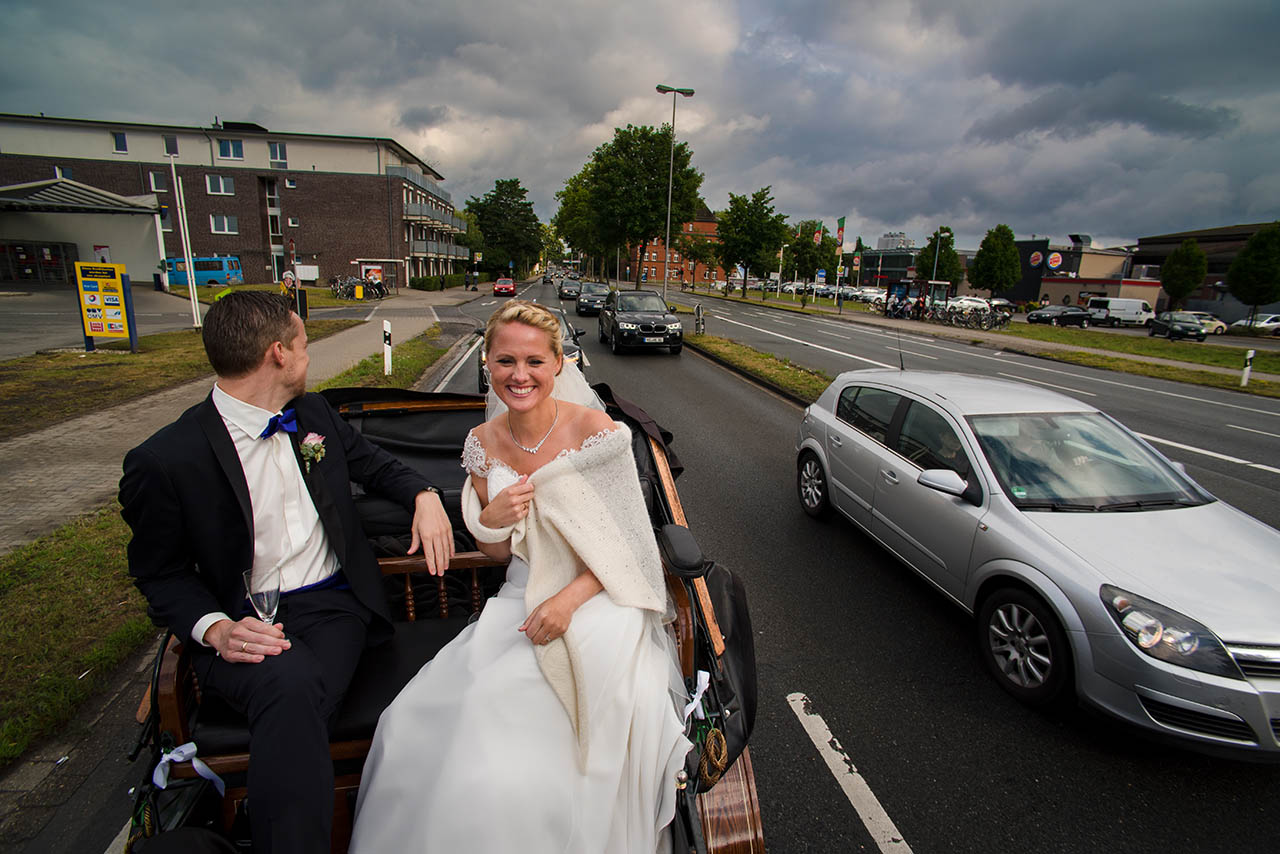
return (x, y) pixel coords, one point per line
(624, 325)
(674, 327)
(1167, 635)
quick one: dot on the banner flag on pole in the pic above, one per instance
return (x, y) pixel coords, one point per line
(817, 237)
(840, 233)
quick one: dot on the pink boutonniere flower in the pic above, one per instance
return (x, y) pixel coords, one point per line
(312, 448)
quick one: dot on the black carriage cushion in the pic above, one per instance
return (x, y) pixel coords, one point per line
(384, 670)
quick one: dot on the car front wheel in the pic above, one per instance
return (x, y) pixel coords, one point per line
(1053, 321)
(600, 332)
(1151, 331)
(1084, 324)
(614, 346)
(811, 486)
(1024, 646)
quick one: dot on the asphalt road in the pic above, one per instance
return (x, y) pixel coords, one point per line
(956, 764)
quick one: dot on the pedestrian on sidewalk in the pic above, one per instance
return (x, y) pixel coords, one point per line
(257, 477)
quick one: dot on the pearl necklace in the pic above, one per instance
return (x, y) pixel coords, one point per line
(538, 446)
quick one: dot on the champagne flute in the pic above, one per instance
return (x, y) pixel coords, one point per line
(264, 593)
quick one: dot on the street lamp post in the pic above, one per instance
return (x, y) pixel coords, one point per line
(671, 167)
(780, 253)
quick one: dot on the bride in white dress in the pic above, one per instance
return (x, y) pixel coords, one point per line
(549, 724)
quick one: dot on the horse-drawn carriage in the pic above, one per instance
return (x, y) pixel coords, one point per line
(717, 807)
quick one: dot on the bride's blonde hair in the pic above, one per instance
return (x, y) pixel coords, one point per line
(530, 314)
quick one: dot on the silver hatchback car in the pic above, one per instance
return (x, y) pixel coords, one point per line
(1093, 564)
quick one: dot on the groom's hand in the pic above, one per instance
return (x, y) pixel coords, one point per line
(248, 641)
(431, 530)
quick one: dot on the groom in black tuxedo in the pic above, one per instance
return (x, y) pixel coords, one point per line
(258, 477)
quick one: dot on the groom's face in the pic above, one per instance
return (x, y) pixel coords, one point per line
(296, 359)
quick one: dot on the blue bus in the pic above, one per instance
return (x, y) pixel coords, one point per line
(220, 270)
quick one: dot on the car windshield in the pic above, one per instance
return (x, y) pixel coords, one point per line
(1185, 317)
(1077, 461)
(641, 302)
(594, 288)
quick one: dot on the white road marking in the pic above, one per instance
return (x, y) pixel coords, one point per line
(877, 821)
(910, 353)
(834, 335)
(1251, 430)
(458, 366)
(783, 322)
(1217, 456)
(1051, 385)
(370, 315)
(805, 343)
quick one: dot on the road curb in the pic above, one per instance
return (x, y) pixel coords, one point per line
(760, 381)
(440, 368)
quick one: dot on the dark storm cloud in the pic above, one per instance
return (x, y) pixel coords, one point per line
(418, 118)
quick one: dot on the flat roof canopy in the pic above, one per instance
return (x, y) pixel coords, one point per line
(62, 195)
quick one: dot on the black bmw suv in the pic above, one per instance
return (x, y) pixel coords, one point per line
(639, 319)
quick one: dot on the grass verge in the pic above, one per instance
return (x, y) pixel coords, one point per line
(316, 297)
(1262, 388)
(408, 362)
(803, 383)
(43, 389)
(1266, 361)
(69, 615)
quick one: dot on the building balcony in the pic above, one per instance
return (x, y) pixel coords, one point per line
(426, 213)
(422, 182)
(438, 249)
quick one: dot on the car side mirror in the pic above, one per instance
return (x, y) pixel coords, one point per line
(671, 308)
(577, 330)
(943, 480)
(1182, 467)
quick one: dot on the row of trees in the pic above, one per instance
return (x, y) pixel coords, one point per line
(1253, 277)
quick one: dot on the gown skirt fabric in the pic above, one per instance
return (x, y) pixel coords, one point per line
(477, 753)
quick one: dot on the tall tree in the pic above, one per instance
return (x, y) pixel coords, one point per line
(1254, 277)
(996, 266)
(1183, 271)
(748, 228)
(552, 246)
(806, 258)
(510, 227)
(949, 267)
(628, 186)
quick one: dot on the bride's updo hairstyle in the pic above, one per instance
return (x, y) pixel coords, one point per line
(530, 314)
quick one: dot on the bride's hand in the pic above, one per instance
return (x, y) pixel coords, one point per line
(508, 506)
(549, 620)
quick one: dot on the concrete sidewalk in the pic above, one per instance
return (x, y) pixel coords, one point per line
(70, 468)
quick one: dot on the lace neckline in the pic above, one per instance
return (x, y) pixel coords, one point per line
(478, 462)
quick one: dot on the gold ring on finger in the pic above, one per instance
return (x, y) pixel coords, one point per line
(244, 647)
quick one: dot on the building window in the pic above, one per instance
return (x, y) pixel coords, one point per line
(62, 172)
(220, 224)
(231, 149)
(273, 224)
(159, 182)
(220, 185)
(277, 155)
(290, 184)
(273, 194)
(120, 144)
(293, 222)
(170, 145)
(166, 222)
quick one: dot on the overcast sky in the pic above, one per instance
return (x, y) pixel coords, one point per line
(1113, 118)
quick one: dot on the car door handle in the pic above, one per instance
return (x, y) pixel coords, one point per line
(889, 476)
(837, 441)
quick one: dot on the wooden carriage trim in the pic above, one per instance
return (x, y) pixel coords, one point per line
(412, 406)
(677, 516)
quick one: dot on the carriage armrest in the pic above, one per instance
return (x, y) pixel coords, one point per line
(681, 552)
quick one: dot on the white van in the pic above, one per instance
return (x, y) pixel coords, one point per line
(1113, 311)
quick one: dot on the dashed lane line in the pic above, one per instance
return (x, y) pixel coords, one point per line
(1050, 385)
(804, 343)
(1214, 454)
(911, 353)
(1251, 430)
(855, 787)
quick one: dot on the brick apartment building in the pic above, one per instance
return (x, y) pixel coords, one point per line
(340, 202)
(679, 269)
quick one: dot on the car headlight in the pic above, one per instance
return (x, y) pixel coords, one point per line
(1165, 634)
(674, 327)
(625, 325)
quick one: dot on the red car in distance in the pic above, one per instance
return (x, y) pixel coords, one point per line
(504, 288)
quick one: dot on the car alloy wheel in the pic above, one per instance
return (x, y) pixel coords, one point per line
(614, 346)
(811, 485)
(600, 332)
(1151, 332)
(1024, 646)
(1053, 321)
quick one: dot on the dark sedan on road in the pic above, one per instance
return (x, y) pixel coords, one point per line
(569, 289)
(1177, 324)
(639, 319)
(591, 299)
(569, 335)
(1060, 315)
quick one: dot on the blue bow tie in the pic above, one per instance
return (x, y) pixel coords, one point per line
(286, 421)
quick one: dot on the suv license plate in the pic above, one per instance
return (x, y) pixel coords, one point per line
(657, 340)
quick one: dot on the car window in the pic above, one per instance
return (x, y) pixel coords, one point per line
(594, 288)
(641, 302)
(927, 440)
(869, 410)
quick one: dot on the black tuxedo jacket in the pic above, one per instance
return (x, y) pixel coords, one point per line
(185, 497)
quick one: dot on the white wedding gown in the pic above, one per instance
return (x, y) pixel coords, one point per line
(478, 754)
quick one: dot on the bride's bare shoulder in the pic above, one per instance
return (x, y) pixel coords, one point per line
(588, 421)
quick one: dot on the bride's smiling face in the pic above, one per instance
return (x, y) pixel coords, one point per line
(522, 366)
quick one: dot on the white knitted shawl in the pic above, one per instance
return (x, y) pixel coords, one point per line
(587, 512)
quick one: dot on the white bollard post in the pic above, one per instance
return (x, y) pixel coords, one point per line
(1248, 368)
(386, 348)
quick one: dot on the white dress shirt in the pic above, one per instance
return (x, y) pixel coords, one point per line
(286, 527)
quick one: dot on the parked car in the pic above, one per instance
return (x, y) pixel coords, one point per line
(968, 302)
(1060, 315)
(1114, 311)
(1177, 324)
(1211, 322)
(591, 298)
(569, 342)
(1262, 323)
(504, 288)
(1093, 565)
(639, 319)
(569, 289)
(1001, 304)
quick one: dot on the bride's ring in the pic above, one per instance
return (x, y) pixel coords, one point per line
(244, 647)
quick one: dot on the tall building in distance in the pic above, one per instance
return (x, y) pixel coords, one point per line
(336, 205)
(895, 240)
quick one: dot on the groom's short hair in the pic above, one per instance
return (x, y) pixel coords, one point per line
(241, 326)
